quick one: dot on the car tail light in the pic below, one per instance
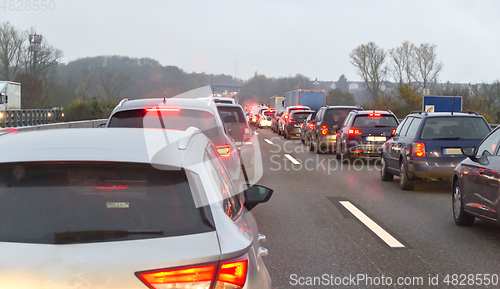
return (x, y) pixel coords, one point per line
(291, 121)
(192, 277)
(247, 135)
(393, 131)
(354, 131)
(165, 110)
(285, 117)
(232, 275)
(261, 116)
(223, 150)
(311, 126)
(374, 114)
(418, 150)
(324, 129)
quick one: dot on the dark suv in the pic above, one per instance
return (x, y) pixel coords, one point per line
(328, 120)
(295, 121)
(364, 133)
(428, 145)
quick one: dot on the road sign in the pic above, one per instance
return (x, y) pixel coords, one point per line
(434, 103)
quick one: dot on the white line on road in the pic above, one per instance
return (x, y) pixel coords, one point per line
(386, 237)
(268, 141)
(256, 133)
(294, 161)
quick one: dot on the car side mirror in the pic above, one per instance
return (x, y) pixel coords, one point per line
(469, 151)
(102, 125)
(255, 195)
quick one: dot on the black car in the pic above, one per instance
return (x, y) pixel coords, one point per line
(286, 115)
(275, 119)
(364, 133)
(476, 182)
(294, 123)
(326, 123)
(305, 129)
(428, 146)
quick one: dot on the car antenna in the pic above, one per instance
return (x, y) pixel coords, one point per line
(164, 100)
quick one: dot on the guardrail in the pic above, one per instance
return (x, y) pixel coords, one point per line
(27, 117)
(73, 124)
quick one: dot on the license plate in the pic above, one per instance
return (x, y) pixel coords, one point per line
(452, 151)
(298, 125)
(376, 138)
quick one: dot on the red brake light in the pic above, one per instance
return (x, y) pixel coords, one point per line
(234, 273)
(393, 131)
(324, 129)
(223, 150)
(374, 114)
(418, 150)
(119, 187)
(163, 109)
(311, 126)
(193, 277)
(354, 131)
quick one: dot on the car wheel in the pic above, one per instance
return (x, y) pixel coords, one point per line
(385, 175)
(461, 217)
(311, 146)
(307, 141)
(404, 182)
(287, 135)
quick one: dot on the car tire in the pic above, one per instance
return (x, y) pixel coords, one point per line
(385, 175)
(461, 217)
(404, 182)
(311, 146)
(307, 141)
(287, 135)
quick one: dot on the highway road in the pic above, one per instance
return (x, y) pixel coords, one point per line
(343, 225)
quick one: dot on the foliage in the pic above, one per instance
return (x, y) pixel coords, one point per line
(338, 97)
(31, 90)
(342, 84)
(78, 110)
(369, 60)
(412, 99)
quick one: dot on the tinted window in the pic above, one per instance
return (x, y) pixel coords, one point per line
(336, 115)
(300, 116)
(231, 114)
(400, 126)
(268, 112)
(489, 145)
(405, 126)
(375, 121)
(455, 127)
(177, 120)
(412, 130)
(223, 101)
(95, 202)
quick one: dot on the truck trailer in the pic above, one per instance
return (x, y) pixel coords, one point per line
(306, 97)
(10, 95)
(277, 102)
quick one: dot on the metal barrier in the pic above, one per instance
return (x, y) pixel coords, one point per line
(74, 124)
(26, 117)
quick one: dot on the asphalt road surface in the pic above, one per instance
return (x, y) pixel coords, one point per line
(337, 225)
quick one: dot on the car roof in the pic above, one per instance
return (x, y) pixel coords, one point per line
(228, 105)
(441, 114)
(302, 111)
(365, 112)
(97, 144)
(343, 106)
(198, 104)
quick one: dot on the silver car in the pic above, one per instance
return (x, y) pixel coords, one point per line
(124, 208)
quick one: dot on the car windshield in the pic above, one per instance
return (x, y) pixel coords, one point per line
(180, 119)
(375, 120)
(231, 114)
(61, 203)
(454, 128)
(300, 116)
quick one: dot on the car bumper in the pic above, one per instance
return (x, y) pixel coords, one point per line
(428, 169)
(372, 149)
(293, 131)
(265, 123)
(329, 140)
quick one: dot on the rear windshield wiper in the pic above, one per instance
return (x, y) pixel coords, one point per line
(97, 235)
(446, 138)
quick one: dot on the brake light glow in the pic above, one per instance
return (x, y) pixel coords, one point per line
(393, 131)
(418, 150)
(374, 114)
(193, 277)
(324, 129)
(163, 109)
(311, 126)
(119, 187)
(262, 117)
(223, 150)
(234, 273)
(354, 131)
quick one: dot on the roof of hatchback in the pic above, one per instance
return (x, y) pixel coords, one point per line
(93, 144)
(362, 112)
(201, 104)
(439, 114)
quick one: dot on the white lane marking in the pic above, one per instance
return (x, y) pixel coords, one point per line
(268, 141)
(256, 133)
(386, 237)
(294, 161)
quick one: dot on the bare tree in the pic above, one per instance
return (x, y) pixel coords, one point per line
(403, 65)
(368, 59)
(427, 67)
(112, 83)
(11, 47)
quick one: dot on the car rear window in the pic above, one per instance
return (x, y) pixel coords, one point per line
(268, 112)
(378, 120)
(231, 114)
(454, 127)
(223, 101)
(176, 120)
(337, 115)
(65, 203)
(300, 116)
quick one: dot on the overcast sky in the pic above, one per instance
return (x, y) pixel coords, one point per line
(272, 37)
